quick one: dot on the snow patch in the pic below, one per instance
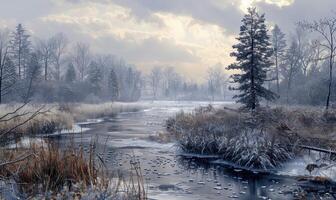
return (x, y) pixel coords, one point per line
(91, 121)
(134, 142)
(27, 142)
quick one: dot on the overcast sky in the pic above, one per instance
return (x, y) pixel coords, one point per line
(189, 35)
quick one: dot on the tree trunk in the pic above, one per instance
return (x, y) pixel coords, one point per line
(330, 79)
(46, 69)
(277, 74)
(1, 76)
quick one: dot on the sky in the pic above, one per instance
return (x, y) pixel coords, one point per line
(189, 35)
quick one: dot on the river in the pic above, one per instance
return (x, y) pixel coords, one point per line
(169, 176)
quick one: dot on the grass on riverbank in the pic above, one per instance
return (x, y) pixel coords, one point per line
(264, 139)
(47, 172)
(92, 111)
(52, 117)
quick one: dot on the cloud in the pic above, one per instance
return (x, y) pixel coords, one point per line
(187, 34)
(159, 39)
(244, 4)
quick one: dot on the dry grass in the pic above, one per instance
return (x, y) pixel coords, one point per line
(50, 168)
(85, 111)
(27, 121)
(312, 126)
(52, 117)
(70, 174)
(263, 139)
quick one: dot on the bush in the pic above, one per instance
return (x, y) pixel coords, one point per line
(262, 139)
(68, 173)
(237, 137)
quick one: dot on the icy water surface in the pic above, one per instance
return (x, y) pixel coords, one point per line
(169, 176)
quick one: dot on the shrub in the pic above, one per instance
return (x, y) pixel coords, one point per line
(235, 136)
(48, 171)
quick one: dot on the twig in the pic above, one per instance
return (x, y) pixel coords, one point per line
(17, 160)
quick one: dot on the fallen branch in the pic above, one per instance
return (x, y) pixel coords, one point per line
(317, 149)
(16, 160)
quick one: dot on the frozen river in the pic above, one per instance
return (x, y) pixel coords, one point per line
(168, 175)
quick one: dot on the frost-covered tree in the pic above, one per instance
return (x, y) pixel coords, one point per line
(215, 81)
(33, 75)
(290, 67)
(5, 62)
(155, 80)
(113, 85)
(46, 49)
(60, 43)
(95, 77)
(70, 75)
(279, 46)
(20, 47)
(8, 79)
(326, 28)
(253, 59)
(82, 59)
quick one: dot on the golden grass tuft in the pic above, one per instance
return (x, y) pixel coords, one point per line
(49, 168)
(54, 117)
(85, 111)
(27, 121)
(51, 171)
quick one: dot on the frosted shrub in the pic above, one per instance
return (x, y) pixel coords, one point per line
(236, 137)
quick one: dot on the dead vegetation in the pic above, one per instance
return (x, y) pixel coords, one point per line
(48, 171)
(91, 111)
(262, 139)
(52, 117)
(45, 171)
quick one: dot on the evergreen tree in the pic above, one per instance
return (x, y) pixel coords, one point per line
(20, 47)
(33, 74)
(113, 85)
(70, 75)
(8, 78)
(95, 77)
(253, 53)
(279, 45)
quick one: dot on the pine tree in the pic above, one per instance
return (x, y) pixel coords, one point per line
(70, 75)
(113, 85)
(8, 78)
(95, 77)
(279, 45)
(253, 53)
(20, 47)
(33, 75)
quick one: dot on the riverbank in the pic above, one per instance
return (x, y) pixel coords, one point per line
(50, 172)
(264, 139)
(44, 170)
(48, 118)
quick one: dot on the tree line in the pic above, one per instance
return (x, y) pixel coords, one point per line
(288, 70)
(63, 71)
(60, 71)
(166, 83)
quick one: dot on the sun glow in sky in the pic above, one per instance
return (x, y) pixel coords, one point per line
(189, 35)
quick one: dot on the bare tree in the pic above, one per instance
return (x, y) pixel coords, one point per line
(155, 80)
(326, 28)
(290, 67)
(316, 58)
(60, 43)
(4, 63)
(46, 49)
(82, 58)
(279, 45)
(216, 81)
(293, 57)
